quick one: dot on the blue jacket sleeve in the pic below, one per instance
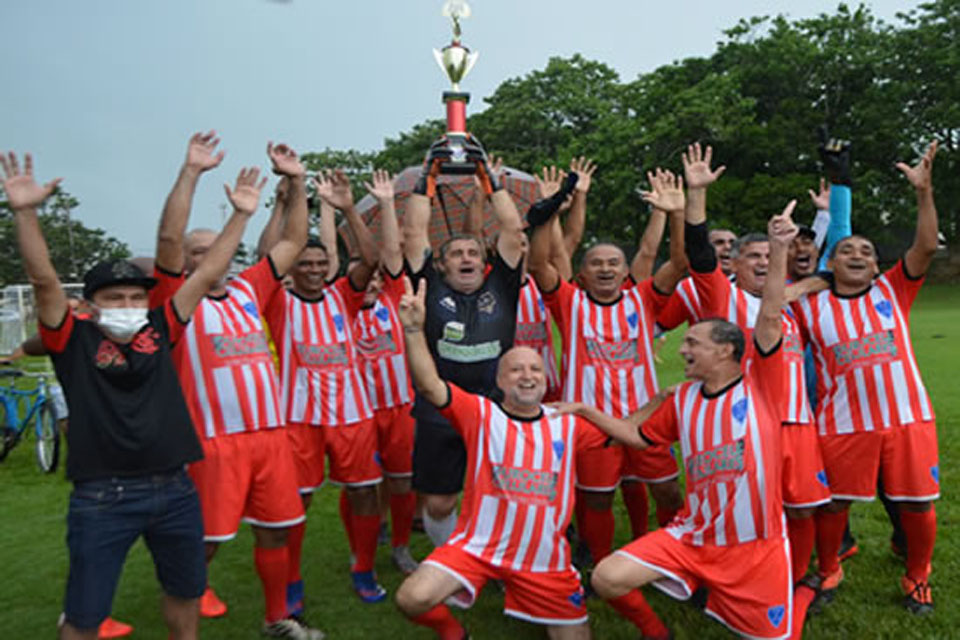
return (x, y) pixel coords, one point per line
(840, 226)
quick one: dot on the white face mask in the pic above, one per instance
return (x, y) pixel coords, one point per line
(122, 323)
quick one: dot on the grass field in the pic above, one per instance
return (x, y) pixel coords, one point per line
(33, 560)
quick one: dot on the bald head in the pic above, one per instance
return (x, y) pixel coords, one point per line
(521, 377)
(196, 243)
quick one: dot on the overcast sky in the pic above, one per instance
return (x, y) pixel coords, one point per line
(106, 92)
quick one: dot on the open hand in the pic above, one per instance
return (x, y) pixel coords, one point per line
(781, 228)
(245, 196)
(412, 309)
(696, 167)
(285, 161)
(920, 175)
(584, 169)
(821, 199)
(666, 191)
(22, 190)
(202, 152)
(334, 188)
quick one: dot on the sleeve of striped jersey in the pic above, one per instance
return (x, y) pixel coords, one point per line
(589, 436)
(351, 297)
(167, 285)
(509, 276)
(673, 314)
(263, 279)
(462, 410)
(558, 302)
(769, 376)
(662, 427)
(654, 298)
(905, 285)
(173, 325)
(713, 289)
(393, 287)
(55, 339)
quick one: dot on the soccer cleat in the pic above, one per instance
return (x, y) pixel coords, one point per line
(366, 586)
(824, 586)
(111, 628)
(292, 628)
(211, 606)
(295, 598)
(917, 597)
(848, 548)
(403, 560)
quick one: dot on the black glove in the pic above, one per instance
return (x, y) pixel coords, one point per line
(835, 156)
(542, 210)
(438, 153)
(478, 155)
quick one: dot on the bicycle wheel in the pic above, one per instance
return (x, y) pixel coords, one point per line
(6, 439)
(48, 440)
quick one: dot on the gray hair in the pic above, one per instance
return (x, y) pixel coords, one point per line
(744, 240)
(724, 332)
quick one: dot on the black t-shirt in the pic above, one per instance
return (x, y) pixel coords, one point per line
(468, 332)
(127, 413)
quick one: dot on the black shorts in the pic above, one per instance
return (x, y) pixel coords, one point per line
(439, 457)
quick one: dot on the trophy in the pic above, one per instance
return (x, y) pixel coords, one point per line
(456, 61)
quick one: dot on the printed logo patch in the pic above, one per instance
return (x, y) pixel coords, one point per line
(453, 331)
(558, 448)
(935, 472)
(376, 458)
(382, 314)
(740, 409)
(884, 308)
(338, 322)
(822, 477)
(632, 320)
(775, 614)
(448, 304)
(576, 599)
(251, 308)
(541, 305)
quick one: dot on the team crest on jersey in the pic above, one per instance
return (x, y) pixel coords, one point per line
(448, 303)
(576, 598)
(775, 614)
(382, 313)
(146, 341)
(822, 478)
(486, 303)
(108, 355)
(541, 305)
(935, 472)
(251, 308)
(884, 308)
(740, 409)
(558, 448)
(453, 331)
(632, 320)
(338, 321)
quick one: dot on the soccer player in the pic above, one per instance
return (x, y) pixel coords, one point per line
(804, 481)
(520, 488)
(875, 413)
(608, 361)
(471, 322)
(130, 433)
(729, 536)
(324, 396)
(231, 386)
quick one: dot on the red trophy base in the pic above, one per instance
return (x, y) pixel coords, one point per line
(458, 164)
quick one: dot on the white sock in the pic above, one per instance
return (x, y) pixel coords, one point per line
(439, 530)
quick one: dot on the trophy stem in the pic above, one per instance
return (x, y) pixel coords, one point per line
(456, 102)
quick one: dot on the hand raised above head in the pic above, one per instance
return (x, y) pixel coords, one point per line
(20, 187)
(920, 175)
(821, 199)
(584, 168)
(380, 186)
(202, 154)
(412, 309)
(245, 196)
(781, 227)
(284, 161)
(333, 186)
(696, 167)
(666, 191)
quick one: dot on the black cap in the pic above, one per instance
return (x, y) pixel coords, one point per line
(804, 230)
(114, 272)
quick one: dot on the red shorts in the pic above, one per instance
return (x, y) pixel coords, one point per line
(551, 598)
(652, 465)
(395, 428)
(749, 585)
(906, 456)
(804, 478)
(307, 446)
(599, 469)
(246, 476)
(353, 454)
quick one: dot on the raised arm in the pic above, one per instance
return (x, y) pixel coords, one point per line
(769, 327)
(293, 237)
(412, 312)
(334, 187)
(542, 217)
(24, 195)
(274, 227)
(202, 156)
(510, 243)
(328, 237)
(835, 157)
(416, 215)
(667, 194)
(244, 197)
(381, 188)
(924, 247)
(577, 220)
(641, 267)
(699, 176)
(548, 183)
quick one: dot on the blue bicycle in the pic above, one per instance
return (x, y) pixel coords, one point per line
(19, 408)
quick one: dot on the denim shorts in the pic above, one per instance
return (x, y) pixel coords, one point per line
(107, 516)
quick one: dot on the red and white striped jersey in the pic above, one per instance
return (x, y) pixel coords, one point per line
(535, 330)
(683, 306)
(731, 454)
(868, 375)
(519, 487)
(607, 348)
(224, 363)
(381, 353)
(318, 361)
(720, 298)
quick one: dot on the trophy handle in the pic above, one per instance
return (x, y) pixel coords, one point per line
(471, 60)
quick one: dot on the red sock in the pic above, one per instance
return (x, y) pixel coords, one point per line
(401, 515)
(802, 533)
(633, 606)
(442, 621)
(346, 517)
(829, 533)
(597, 531)
(294, 549)
(665, 515)
(365, 530)
(921, 530)
(272, 568)
(638, 508)
(802, 598)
